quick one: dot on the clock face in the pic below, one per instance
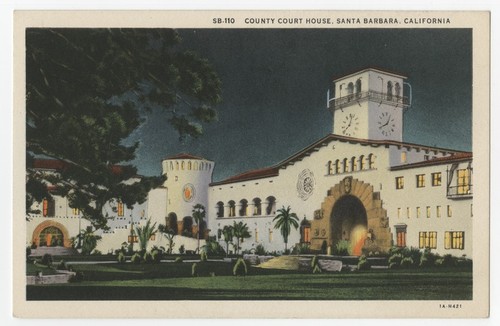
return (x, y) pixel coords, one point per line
(386, 124)
(350, 124)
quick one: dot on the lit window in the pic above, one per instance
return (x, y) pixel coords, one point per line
(345, 165)
(454, 240)
(361, 162)
(256, 235)
(337, 166)
(232, 208)
(370, 162)
(408, 212)
(45, 207)
(428, 209)
(189, 165)
(354, 165)
(436, 179)
(270, 235)
(120, 208)
(403, 157)
(48, 208)
(438, 211)
(400, 182)
(427, 240)
(418, 212)
(449, 211)
(463, 181)
(329, 168)
(76, 211)
(399, 212)
(401, 236)
(420, 180)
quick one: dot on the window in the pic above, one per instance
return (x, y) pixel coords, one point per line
(337, 166)
(397, 89)
(257, 206)
(463, 181)
(256, 235)
(232, 208)
(243, 207)
(427, 240)
(350, 90)
(418, 212)
(408, 212)
(48, 207)
(420, 180)
(271, 205)
(403, 157)
(361, 162)
(389, 91)
(329, 168)
(401, 235)
(358, 88)
(436, 179)
(399, 212)
(454, 240)
(270, 235)
(119, 208)
(220, 209)
(354, 166)
(428, 209)
(76, 211)
(471, 210)
(345, 166)
(182, 165)
(400, 182)
(189, 165)
(449, 212)
(370, 162)
(438, 211)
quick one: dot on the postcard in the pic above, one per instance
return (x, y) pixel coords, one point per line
(251, 164)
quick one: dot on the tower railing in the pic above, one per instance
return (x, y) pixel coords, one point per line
(397, 100)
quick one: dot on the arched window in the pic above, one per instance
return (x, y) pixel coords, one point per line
(271, 205)
(232, 208)
(354, 166)
(182, 165)
(189, 165)
(371, 162)
(350, 91)
(358, 88)
(389, 90)
(397, 90)
(187, 226)
(329, 170)
(243, 207)
(171, 223)
(177, 166)
(337, 166)
(195, 166)
(361, 162)
(257, 206)
(345, 165)
(51, 237)
(220, 209)
(171, 166)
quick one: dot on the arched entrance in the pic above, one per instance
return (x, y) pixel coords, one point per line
(51, 234)
(349, 223)
(352, 211)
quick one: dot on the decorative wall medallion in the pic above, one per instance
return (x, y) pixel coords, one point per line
(188, 192)
(316, 232)
(318, 214)
(347, 184)
(323, 232)
(305, 184)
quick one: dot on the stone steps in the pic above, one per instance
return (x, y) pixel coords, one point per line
(54, 251)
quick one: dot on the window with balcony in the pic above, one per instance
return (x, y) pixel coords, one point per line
(463, 179)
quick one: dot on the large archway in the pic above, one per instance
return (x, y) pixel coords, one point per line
(351, 206)
(51, 234)
(349, 223)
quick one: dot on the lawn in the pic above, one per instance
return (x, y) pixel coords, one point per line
(171, 281)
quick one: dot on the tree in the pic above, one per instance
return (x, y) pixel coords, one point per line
(198, 216)
(240, 231)
(169, 234)
(144, 233)
(227, 233)
(87, 90)
(284, 220)
(86, 240)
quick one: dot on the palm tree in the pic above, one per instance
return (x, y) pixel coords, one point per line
(284, 220)
(240, 231)
(227, 233)
(169, 234)
(86, 240)
(198, 216)
(145, 233)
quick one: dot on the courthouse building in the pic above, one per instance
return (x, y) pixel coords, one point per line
(360, 184)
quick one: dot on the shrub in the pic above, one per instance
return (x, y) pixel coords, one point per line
(33, 246)
(178, 260)
(47, 260)
(394, 265)
(303, 248)
(156, 255)
(415, 254)
(406, 262)
(324, 247)
(363, 263)
(62, 265)
(314, 261)
(121, 258)
(78, 277)
(194, 270)
(427, 258)
(203, 255)
(259, 250)
(182, 249)
(136, 258)
(240, 268)
(449, 261)
(148, 258)
(97, 252)
(395, 258)
(342, 248)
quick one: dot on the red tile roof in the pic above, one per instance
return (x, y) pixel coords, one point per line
(457, 157)
(50, 164)
(250, 175)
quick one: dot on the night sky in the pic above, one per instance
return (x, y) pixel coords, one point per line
(274, 85)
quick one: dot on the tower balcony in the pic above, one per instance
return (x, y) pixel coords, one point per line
(379, 97)
(459, 192)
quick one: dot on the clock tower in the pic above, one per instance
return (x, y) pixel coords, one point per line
(369, 104)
